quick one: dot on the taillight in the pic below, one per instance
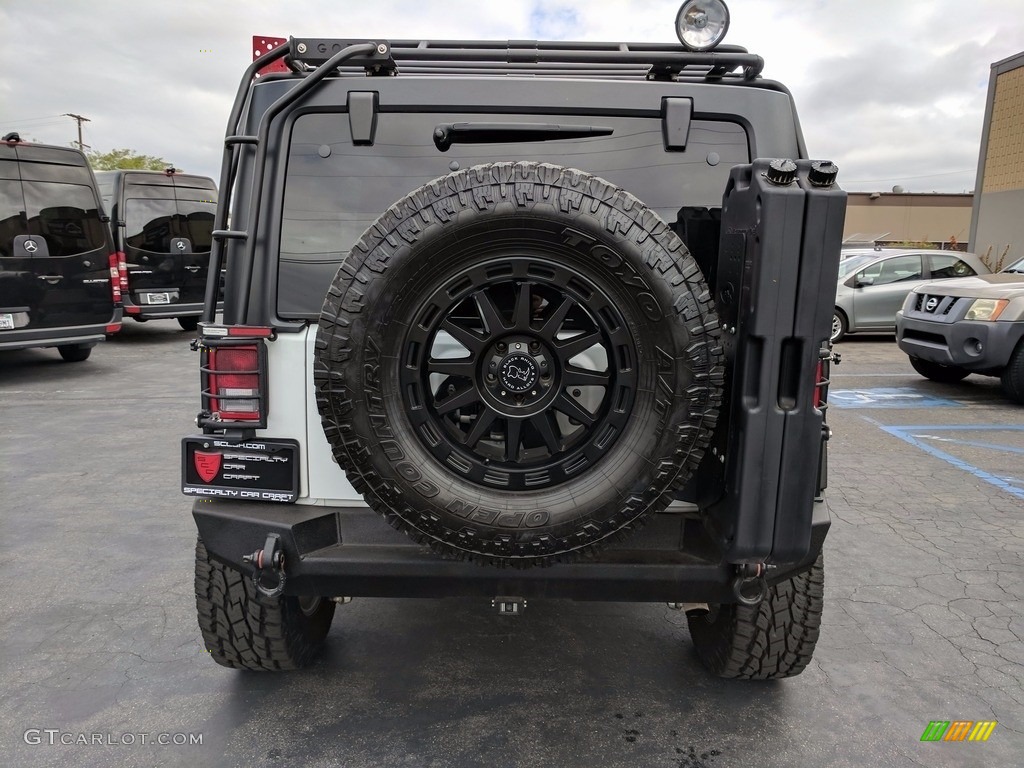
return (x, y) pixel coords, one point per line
(115, 282)
(122, 271)
(233, 388)
(233, 372)
(235, 383)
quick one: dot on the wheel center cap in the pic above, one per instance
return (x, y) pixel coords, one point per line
(518, 372)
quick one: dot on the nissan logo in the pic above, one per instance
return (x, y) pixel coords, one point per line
(931, 304)
(30, 246)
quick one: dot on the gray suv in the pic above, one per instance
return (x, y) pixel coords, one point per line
(974, 325)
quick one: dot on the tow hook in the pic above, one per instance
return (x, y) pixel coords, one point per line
(751, 575)
(269, 560)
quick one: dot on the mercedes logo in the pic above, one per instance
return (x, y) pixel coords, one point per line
(30, 246)
(931, 304)
(180, 245)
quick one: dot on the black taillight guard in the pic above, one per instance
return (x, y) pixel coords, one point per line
(211, 419)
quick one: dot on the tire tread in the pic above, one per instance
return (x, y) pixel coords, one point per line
(772, 640)
(244, 629)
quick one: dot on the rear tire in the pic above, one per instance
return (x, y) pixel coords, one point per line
(1013, 375)
(244, 629)
(944, 374)
(769, 641)
(188, 323)
(75, 353)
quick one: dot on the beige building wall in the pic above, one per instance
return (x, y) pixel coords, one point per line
(998, 224)
(908, 218)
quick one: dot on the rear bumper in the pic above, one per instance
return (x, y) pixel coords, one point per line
(969, 344)
(351, 551)
(162, 311)
(54, 337)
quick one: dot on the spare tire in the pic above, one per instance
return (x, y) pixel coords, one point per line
(518, 362)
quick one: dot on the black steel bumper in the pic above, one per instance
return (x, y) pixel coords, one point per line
(55, 337)
(970, 344)
(351, 551)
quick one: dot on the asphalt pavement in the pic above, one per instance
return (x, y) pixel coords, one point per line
(100, 652)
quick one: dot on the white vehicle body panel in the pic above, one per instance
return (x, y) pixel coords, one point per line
(321, 480)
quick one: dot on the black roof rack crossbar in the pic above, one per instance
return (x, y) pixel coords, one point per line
(512, 55)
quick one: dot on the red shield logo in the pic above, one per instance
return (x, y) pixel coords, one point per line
(207, 465)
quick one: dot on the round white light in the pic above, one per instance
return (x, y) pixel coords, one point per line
(701, 24)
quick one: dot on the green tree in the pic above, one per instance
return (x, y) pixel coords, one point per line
(125, 158)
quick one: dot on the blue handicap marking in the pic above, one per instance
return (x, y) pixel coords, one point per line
(920, 436)
(887, 397)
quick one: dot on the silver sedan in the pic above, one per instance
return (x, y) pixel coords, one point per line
(873, 284)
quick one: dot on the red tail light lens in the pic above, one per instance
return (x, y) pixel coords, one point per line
(122, 271)
(115, 282)
(234, 378)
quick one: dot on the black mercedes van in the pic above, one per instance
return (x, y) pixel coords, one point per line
(57, 263)
(161, 223)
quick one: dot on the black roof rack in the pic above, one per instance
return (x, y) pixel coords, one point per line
(531, 57)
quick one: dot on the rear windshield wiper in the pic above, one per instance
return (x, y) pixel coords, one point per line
(501, 133)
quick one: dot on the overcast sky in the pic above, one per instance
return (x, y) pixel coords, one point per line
(891, 90)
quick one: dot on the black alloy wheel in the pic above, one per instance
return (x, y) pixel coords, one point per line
(526, 368)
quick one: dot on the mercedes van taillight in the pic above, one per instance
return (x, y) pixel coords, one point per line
(122, 271)
(115, 281)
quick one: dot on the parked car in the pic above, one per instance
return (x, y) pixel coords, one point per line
(162, 223)
(56, 254)
(483, 313)
(874, 283)
(954, 328)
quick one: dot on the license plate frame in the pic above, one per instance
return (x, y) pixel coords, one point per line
(248, 470)
(162, 297)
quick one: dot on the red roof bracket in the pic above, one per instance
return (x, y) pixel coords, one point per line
(262, 44)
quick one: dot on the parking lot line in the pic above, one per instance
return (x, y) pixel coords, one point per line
(912, 434)
(888, 397)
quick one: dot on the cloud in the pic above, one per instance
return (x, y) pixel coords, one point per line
(553, 22)
(890, 91)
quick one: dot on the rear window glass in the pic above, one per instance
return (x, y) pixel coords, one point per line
(152, 222)
(105, 184)
(66, 216)
(195, 220)
(149, 223)
(329, 201)
(12, 214)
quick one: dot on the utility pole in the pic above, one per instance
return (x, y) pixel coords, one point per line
(79, 119)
